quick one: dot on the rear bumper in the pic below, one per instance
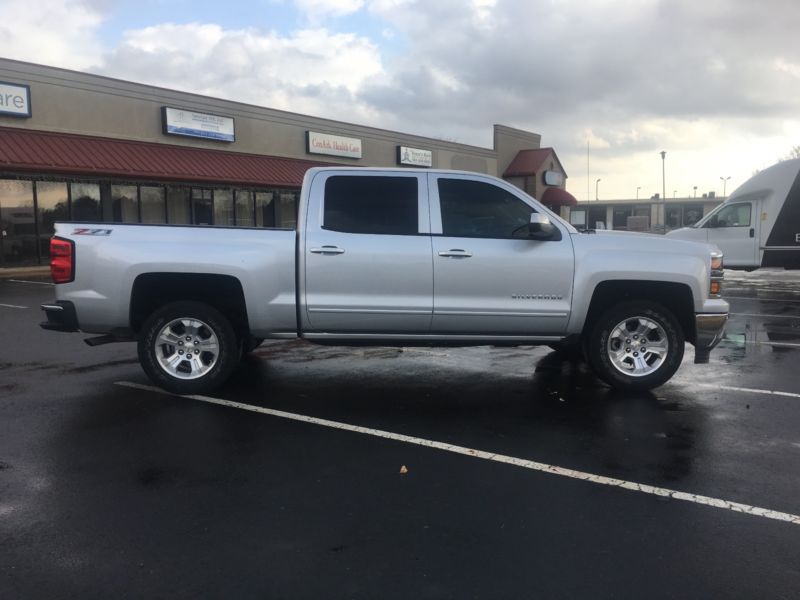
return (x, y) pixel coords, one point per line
(709, 328)
(61, 316)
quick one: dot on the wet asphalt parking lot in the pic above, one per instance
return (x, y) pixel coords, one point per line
(526, 476)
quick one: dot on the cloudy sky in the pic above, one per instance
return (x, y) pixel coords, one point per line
(715, 83)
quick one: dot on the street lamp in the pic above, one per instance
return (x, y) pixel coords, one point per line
(695, 192)
(724, 184)
(637, 192)
(673, 194)
(596, 184)
(663, 184)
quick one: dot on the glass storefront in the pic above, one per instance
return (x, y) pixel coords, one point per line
(29, 209)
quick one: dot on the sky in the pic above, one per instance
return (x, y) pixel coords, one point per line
(714, 83)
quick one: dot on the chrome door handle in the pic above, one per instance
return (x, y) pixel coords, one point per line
(327, 250)
(456, 253)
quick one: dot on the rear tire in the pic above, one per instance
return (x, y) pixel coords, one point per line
(188, 347)
(636, 345)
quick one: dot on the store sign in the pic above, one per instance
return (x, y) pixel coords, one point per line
(414, 157)
(333, 145)
(553, 178)
(176, 121)
(15, 100)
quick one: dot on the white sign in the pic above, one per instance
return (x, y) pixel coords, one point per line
(15, 100)
(553, 178)
(334, 145)
(414, 156)
(177, 121)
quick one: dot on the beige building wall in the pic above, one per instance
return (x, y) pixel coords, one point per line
(80, 103)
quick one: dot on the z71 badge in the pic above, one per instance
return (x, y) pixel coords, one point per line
(92, 232)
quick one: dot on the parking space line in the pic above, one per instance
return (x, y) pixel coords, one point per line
(765, 315)
(732, 388)
(500, 458)
(13, 306)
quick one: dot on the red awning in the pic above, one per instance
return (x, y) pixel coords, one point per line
(68, 154)
(557, 197)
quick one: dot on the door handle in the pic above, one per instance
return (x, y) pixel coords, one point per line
(327, 250)
(752, 232)
(456, 253)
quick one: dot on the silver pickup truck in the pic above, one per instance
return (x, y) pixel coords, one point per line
(390, 257)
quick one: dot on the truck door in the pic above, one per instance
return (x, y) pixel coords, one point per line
(490, 278)
(735, 229)
(367, 254)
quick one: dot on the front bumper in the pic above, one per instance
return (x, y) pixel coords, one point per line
(709, 328)
(61, 316)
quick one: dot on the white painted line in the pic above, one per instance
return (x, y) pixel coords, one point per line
(33, 282)
(500, 458)
(762, 315)
(13, 306)
(731, 388)
(757, 343)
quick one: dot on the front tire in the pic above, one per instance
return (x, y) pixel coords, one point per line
(188, 347)
(636, 346)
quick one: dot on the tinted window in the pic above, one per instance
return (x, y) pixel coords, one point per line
(385, 205)
(479, 209)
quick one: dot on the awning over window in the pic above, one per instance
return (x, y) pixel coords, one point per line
(557, 197)
(80, 155)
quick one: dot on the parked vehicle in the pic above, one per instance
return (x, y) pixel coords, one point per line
(758, 225)
(390, 257)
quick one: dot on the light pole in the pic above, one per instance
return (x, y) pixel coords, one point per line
(637, 192)
(695, 192)
(673, 194)
(596, 185)
(724, 184)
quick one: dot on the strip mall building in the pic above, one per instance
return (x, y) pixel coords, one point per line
(76, 146)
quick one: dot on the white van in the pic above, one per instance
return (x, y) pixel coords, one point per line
(759, 224)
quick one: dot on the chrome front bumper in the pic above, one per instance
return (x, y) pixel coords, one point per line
(709, 329)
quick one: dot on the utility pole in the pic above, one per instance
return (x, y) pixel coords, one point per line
(663, 184)
(637, 192)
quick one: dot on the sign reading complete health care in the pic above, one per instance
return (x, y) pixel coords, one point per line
(334, 145)
(15, 100)
(177, 121)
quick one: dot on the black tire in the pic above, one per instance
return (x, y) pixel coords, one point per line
(600, 347)
(151, 353)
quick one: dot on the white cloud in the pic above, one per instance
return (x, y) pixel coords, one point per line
(316, 9)
(311, 70)
(54, 32)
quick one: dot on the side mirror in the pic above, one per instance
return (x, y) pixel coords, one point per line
(540, 227)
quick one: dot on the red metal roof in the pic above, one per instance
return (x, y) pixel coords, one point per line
(68, 154)
(554, 196)
(529, 162)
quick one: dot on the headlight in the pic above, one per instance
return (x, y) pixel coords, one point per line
(717, 275)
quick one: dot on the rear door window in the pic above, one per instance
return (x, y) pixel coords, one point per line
(376, 205)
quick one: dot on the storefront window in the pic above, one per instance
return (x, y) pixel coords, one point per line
(124, 205)
(223, 208)
(152, 204)
(673, 217)
(286, 210)
(17, 223)
(265, 209)
(202, 207)
(597, 218)
(85, 202)
(244, 208)
(178, 211)
(53, 205)
(621, 215)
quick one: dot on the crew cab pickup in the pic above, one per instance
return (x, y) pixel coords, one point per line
(390, 257)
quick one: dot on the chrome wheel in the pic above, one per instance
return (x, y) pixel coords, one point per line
(637, 346)
(186, 348)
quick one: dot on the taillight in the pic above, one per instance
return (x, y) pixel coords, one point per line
(62, 260)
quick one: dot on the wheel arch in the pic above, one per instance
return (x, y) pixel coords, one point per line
(150, 291)
(676, 297)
